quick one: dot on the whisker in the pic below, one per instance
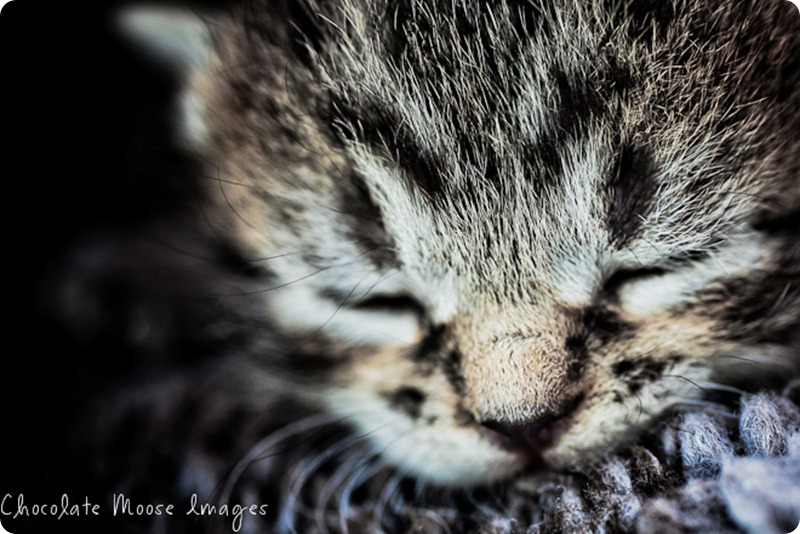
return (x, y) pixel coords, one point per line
(355, 462)
(387, 494)
(273, 288)
(256, 452)
(380, 280)
(219, 179)
(301, 472)
(774, 365)
(232, 207)
(625, 404)
(482, 505)
(226, 181)
(357, 479)
(211, 259)
(299, 279)
(436, 518)
(703, 403)
(692, 382)
(341, 304)
(641, 407)
(714, 386)
(709, 386)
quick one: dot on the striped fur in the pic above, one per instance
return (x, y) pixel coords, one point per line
(483, 217)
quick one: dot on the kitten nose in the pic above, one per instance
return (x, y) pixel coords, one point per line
(536, 434)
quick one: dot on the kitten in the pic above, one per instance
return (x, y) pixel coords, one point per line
(510, 234)
(487, 237)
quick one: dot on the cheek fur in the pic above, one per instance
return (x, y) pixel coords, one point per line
(415, 420)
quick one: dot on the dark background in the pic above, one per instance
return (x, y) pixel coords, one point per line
(85, 152)
(79, 110)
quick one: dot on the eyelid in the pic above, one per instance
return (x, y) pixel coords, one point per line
(385, 302)
(621, 277)
(390, 303)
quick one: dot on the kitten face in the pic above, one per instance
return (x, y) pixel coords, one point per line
(507, 235)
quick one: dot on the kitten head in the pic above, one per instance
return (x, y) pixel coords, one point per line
(505, 234)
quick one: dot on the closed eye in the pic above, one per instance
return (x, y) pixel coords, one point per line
(674, 280)
(390, 303)
(375, 302)
(622, 277)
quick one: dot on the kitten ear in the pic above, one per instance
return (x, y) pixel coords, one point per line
(174, 37)
(178, 40)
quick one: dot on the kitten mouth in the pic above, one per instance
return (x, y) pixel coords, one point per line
(531, 440)
(530, 446)
(531, 455)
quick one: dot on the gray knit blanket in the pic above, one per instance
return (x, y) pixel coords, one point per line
(275, 468)
(711, 471)
(706, 472)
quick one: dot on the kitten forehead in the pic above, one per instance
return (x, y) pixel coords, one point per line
(485, 108)
(506, 246)
(457, 116)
